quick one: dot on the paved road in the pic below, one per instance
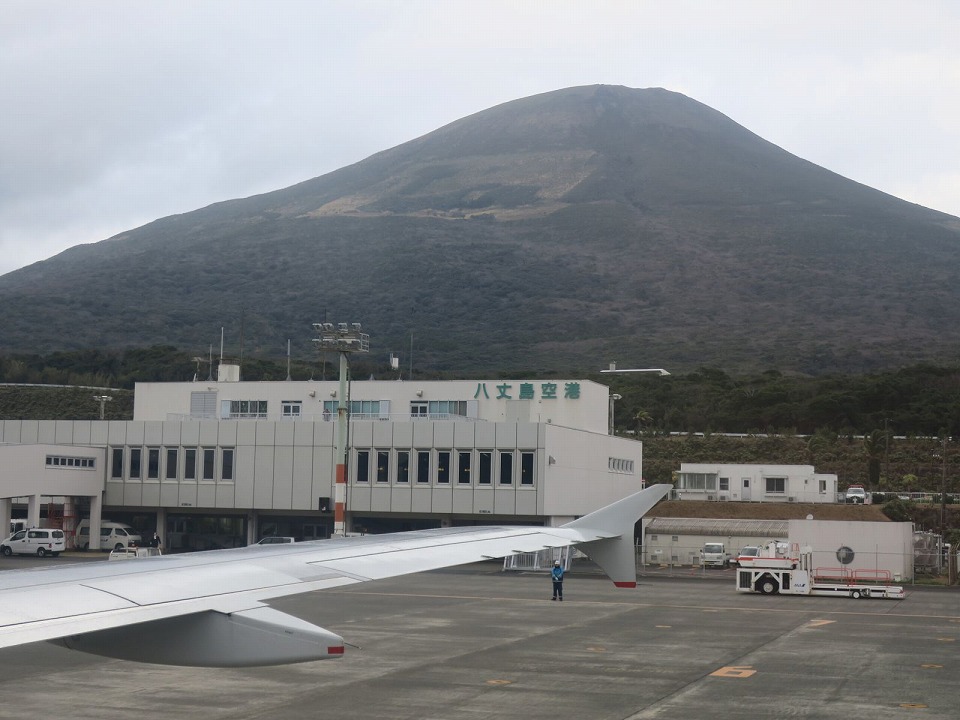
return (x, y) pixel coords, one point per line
(478, 643)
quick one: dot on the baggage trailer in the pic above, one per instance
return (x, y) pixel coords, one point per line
(775, 571)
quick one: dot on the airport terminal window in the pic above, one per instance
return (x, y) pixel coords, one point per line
(624, 466)
(247, 409)
(526, 468)
(172, 457)
(190, 464)
(363, 466)
(153, 463)
(135, 456)
(403, 466)
(443, 467)
(383, 466)
(116, 468)
(463, 466)
(226, 464)
(437, 409)
(71, 462)
(506, 468)
(209, 463)
(357, 409)
(485, 475)
(418, 410)
(423, 466)
(776, 485)
(290, 409)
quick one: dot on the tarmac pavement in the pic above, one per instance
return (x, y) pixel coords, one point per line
(477, 642)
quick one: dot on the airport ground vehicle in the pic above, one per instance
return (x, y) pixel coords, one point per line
(790, 572)
(714, 555)
(35, 541)
(750, 551)
(113, 536)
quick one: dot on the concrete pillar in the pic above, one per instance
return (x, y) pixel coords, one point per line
(33, 511)
(70, 521)
(96, 515)
(161, 528)
(6, 509)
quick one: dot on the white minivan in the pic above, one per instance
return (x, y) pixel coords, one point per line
(35, 541)
(113, 536)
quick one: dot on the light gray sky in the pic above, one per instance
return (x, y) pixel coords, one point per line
(115, 113)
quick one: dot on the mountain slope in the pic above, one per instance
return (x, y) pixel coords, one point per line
(556, 232)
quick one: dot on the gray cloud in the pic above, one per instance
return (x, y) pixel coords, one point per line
(117, 113)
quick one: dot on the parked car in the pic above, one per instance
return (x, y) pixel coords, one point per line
(275, 540)
(856, 495)
(35, 541)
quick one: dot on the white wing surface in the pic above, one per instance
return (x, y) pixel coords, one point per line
(207, 608)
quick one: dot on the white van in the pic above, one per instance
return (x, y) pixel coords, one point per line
(113, 536)
(35, 541)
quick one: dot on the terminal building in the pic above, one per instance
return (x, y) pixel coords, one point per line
(224, 463)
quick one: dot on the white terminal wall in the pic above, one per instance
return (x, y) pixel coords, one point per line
(587, 410)
(289, 465)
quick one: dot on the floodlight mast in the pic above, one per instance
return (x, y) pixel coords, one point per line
(341, 338)
(103, 400)
(614, 397)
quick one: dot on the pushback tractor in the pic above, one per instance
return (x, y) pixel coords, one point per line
(789, 571)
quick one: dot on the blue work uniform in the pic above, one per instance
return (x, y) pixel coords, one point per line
(557, 575)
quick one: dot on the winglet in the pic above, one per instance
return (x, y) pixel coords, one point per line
(615, 554)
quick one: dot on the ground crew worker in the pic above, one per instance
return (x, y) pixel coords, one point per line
(557, 575)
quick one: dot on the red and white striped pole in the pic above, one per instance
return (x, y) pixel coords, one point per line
(342, 338)
(340, 486)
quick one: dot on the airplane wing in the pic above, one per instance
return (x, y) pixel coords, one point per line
(208, 608)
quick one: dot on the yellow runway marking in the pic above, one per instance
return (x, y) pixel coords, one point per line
(735, 671)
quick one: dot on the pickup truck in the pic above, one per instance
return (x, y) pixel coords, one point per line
(714, 555)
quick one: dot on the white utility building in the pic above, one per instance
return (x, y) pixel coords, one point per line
(754, 483)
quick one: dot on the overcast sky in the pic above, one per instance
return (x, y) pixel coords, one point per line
(115, 113)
